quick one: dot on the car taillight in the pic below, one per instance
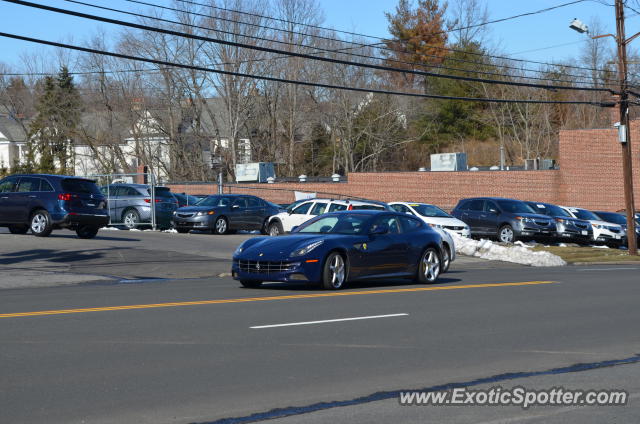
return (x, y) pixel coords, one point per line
(65, 196)
(149, 200)
(350, 208)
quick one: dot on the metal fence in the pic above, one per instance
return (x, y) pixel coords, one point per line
(105, 181)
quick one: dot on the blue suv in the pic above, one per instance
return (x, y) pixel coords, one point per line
(42, 203)
(506, 219)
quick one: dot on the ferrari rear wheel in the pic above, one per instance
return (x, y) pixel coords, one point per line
(334, 272)
(429, 267)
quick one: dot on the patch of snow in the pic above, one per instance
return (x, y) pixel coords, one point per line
(562, 245)
(599, 246)
(109, 229)
(170, 230)
(519, 253)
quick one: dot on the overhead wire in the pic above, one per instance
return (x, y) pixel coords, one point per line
(358, 45)
(301, 55)
(377, 45)
(321, 50)
(289, 81)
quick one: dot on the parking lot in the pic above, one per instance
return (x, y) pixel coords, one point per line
(117, 255)
(153, 327)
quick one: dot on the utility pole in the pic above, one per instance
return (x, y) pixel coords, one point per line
(625, 134)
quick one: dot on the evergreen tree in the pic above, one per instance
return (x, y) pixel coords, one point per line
(52, 132)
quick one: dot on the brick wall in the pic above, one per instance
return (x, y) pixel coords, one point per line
(590, 176)
(591, 168)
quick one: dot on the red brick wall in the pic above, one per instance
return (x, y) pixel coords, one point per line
(441, 188)
(590, 176)
(591, 168)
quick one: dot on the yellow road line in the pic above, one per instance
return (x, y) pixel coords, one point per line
(263, 299)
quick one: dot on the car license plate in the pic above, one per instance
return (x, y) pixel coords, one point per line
(585, 233)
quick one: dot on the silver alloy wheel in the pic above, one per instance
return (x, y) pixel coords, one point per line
(221, 226)
(336, 268)
(274, 230)
(38, 223)
(430, 265)
(506, 235)
(446, 258)
(131, 219)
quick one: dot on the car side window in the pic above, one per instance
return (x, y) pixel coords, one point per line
(302, 209)
(410, 224)
(28, 184)
(488, 205)
(8, 185)
(45, 185)
(241, 202)
(476, 205)
(252, 202)
(391, 221)
(130, 191)
(318, 208)
(336, 207)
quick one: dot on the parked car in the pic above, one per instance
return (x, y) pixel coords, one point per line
(225, 213)
(567, 227)
(603, 231)
(433, 215)
(42, 203)
(300, 212)
(617, 218)
(336, 248)
(506, 219)
(130, 205)
(184, 199)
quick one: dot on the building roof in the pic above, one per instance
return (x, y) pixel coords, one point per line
(11, 130)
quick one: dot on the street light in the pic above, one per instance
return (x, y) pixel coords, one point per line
(624, 134)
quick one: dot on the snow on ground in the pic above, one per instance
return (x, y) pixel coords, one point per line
(519, 253)
(170, 230)
(109, 229)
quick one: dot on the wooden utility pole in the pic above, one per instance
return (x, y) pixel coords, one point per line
(625, 133)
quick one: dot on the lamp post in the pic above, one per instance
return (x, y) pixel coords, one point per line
(624, 130)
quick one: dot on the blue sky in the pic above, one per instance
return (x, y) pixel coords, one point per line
(548, 32)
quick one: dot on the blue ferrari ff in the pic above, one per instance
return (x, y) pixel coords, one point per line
(338, 247)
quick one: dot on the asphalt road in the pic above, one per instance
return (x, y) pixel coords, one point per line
(161, 349)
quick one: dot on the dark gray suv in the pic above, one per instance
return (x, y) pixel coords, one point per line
(42, 203)
(567, 227)
(506, 219)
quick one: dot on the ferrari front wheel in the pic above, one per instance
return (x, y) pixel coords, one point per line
(334, 272)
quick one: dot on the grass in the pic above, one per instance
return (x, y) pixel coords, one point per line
(589, 254)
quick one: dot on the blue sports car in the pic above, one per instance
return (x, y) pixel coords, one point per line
(335, 248)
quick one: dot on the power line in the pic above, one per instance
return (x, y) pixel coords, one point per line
(355, 44)
(376, 45)
(318, 49)
(301, 55)
(288, 81)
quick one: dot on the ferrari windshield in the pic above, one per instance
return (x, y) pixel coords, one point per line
(336, 224)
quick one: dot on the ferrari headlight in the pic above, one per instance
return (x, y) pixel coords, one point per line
(239, 249)
(304, 250)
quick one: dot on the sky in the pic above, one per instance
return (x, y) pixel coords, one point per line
(542, 37)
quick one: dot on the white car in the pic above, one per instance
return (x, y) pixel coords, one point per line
(304, 211)
(603, 232)
(434, 216)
